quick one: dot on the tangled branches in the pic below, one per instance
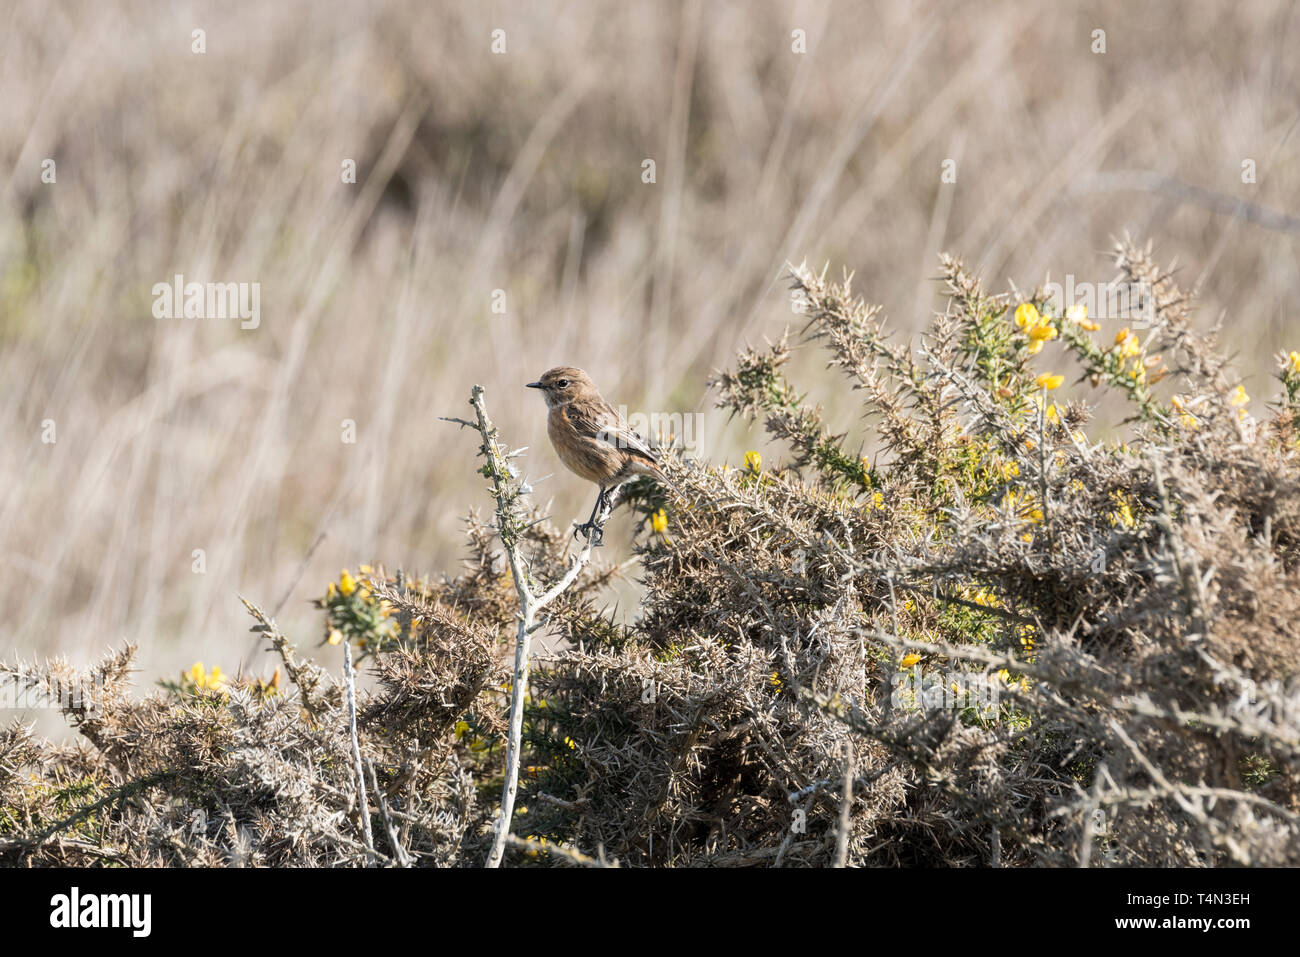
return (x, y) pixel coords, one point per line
(1004, 641)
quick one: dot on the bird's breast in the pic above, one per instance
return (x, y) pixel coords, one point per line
(584, 455)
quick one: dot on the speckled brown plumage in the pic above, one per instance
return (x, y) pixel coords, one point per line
(590, 437)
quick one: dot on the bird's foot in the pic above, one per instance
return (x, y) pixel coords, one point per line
(595, 534)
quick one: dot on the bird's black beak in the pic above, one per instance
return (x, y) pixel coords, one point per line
(535, 385)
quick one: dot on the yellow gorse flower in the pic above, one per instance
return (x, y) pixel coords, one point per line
(1239, 400)
(981, 596)
(1078, 314)
(754, 461)
(1035, 325)
(910, 659)
(659, 522)
(1293, 362)
(1049, 381)
(1123, 514)
(347, 584)
(1189, 420)
(1027, 637)
(202, 678)
(1127, 343)
(1021, 504)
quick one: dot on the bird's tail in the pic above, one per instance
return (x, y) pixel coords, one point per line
(660, 475)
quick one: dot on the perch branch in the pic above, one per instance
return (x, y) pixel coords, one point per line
(364, 807)
(511, 526)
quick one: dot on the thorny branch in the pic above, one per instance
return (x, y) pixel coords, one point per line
(508, 492)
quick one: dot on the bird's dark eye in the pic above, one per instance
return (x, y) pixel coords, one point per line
(562, 383)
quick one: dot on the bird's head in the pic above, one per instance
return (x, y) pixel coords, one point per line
(562, 385)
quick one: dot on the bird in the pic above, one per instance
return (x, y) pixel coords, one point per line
(592, 439)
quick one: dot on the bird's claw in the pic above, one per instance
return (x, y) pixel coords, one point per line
(594, 533)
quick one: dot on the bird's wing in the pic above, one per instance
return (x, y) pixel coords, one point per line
(605, 425)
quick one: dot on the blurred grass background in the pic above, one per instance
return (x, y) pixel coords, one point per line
(522, 172)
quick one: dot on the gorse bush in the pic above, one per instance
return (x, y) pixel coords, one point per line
(1000, 641)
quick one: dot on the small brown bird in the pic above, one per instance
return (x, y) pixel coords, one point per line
(592, 439)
